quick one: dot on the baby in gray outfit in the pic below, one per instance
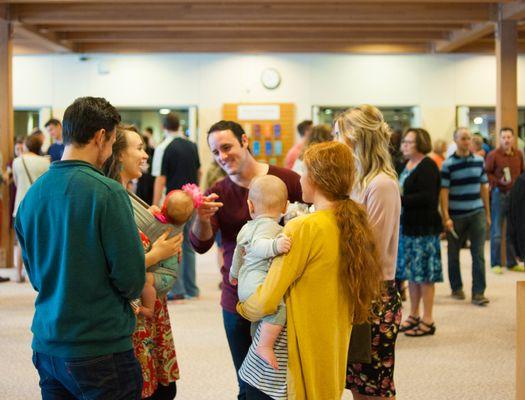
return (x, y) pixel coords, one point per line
(258, 242)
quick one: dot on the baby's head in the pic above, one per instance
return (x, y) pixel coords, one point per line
(268, 195)
(179, 206)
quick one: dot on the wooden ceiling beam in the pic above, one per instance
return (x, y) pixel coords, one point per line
(513, 11)
(154, 13)
(462, 38)
(321, 47)
(47, 40)
(135, 36)
(243, 27)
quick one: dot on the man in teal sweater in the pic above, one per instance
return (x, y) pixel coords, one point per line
(84, 257)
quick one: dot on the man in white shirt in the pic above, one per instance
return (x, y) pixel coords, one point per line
(156, 164)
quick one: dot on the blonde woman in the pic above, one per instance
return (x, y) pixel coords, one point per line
(365, 131)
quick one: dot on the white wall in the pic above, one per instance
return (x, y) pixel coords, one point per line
(436, 83)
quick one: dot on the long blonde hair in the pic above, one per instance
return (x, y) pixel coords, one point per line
(364, 129)
(330, 168)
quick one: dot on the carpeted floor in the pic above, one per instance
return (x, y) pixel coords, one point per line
(472, 355)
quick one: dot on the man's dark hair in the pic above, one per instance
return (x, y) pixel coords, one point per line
(33, 144)
(53, 121)
(304, 126)
(506, 128)
(149, 129)
(86, 116)
(171, 122)
(228, 126)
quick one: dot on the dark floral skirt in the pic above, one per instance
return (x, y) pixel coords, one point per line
(377, 378)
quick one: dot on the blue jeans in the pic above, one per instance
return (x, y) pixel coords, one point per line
(115, 376)
(186, 283)
(471, 227)
(500, 210)
(239, 339)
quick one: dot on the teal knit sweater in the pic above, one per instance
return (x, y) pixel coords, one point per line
(85, 259)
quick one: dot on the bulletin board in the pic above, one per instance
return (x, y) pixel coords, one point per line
(270, 128)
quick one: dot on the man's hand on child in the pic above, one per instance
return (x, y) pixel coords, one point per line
(284, 244)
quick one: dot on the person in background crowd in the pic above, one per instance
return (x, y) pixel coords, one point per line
(439, 151)
(476, 146)
(230, 148)
(419, 242)
(36, 132)
(365, 131)
(180, 165)
(54, 128)
(146, 182)
(466, 214)
(319, 134)
(85, 259)
(304, 128)
(503, 166)
(325, 259)
(18, 150)
(4, 180)
(27, 168)
(152, 339)
(158, 155)
(148, 133)
(516, 217)
(394, 149)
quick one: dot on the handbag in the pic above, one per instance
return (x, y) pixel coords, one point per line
(360, 349)
(27, 170)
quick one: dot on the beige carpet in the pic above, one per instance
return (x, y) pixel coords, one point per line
(470, 357)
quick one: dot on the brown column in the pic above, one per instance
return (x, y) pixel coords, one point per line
(6, 132)
(507, 70)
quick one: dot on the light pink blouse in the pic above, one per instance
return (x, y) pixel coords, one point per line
(383, 204)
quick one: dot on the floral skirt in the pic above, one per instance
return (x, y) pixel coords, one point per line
(155, 350)
(377, 378)
(419, 259)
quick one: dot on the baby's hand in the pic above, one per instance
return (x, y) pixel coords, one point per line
(234, 281)
(284, 244)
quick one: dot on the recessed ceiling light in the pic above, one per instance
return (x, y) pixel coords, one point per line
(164, 111)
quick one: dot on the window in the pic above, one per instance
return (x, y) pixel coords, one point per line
(399, 118)
(143, 118)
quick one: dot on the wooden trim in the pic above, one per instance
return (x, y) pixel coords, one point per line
(48, 40)
(507, 75)
(293, 13)
(6, 129)
(513, 11)
(462, 38)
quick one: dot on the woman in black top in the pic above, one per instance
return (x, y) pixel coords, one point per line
(420, 248)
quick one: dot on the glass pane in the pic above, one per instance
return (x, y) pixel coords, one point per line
(144, 118)
(25, 121)
(397, 117)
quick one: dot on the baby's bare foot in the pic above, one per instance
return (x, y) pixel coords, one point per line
(268, 355)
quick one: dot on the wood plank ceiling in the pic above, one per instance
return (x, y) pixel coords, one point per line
(347, 26)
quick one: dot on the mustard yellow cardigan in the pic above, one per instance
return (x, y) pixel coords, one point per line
(318, 307)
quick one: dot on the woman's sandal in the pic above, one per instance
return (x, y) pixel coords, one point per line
(412, 322)
(417, 331)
